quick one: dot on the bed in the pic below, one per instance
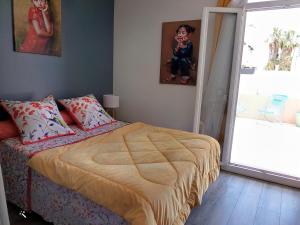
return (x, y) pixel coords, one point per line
(144, 175)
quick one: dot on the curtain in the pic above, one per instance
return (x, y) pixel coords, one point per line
(223, 3)
(218, 24)
(217, 88)
(215, 95)
(219, 18)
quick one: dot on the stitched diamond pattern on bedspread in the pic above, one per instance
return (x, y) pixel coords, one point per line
(148, 175)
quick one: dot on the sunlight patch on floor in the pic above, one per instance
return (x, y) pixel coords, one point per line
(267, 145)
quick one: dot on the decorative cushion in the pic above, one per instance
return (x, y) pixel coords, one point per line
(8, 129)
(67, 117)
(37, 120)
(87, 112)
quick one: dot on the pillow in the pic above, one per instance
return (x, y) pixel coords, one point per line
(9, 130)
(67, 118)
(87, 112)
(37, 120)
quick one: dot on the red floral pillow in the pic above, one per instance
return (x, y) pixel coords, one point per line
(8, 130)
(87, 112)
(37, 120)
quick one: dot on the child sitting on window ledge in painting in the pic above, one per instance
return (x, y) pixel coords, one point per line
(182, 59)
(40, 28)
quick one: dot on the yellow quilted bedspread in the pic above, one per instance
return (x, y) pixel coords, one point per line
(146, 174)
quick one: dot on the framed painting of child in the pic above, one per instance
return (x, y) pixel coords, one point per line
(180, 52)
(37, 26)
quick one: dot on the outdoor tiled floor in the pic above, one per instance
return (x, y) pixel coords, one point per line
(267, 145)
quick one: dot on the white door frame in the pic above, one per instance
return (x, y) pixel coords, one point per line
(244, 170)
(270, 5)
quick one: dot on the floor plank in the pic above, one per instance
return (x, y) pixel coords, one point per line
(290, 207)
(245, 210)
(220, 204)
(209, 197)
(16, 219)
(269, 207)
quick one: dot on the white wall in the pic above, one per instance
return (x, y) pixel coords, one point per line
(137, 46)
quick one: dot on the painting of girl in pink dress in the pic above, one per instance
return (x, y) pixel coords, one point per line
(37, 26)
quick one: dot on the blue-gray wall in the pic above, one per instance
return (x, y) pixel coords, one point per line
(86, 63)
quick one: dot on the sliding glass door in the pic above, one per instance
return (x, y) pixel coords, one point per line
(256, 115)
(267, 123)
(263, 129)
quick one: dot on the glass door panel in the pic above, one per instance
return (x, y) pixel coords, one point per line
(267, 124)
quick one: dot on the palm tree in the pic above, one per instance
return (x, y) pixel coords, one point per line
(288, 43)
(281, 48)
(274, 46)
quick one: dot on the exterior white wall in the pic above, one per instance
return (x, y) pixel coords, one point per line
(137, 49)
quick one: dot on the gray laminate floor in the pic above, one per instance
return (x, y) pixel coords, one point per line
(231, 200)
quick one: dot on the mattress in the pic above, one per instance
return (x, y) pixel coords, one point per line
(170, 181)
(62, 206)
(32, 192)
(146, 174)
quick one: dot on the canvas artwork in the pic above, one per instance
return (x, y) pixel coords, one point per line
(180, 52)
(37, 26)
